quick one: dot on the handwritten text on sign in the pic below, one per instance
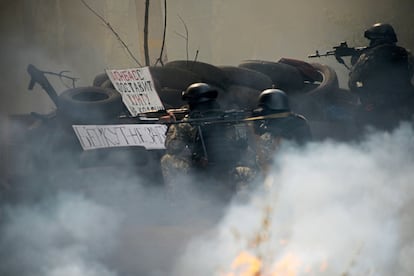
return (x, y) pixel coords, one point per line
(150, 136)
(137, 89)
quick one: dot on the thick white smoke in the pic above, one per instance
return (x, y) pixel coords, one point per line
(64, 236)
(97, 221)
(329, 209)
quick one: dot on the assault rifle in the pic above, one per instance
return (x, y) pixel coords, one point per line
(340, 51)
(228, 117)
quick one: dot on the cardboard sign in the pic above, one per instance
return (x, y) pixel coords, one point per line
(137, 89)
(150, 136)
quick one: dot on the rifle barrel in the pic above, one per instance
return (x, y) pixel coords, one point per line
(229, 119)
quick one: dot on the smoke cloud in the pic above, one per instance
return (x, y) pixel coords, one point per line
(66, 235)
(329, 209)
(59, 218)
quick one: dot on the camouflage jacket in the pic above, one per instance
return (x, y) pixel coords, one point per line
(382, 68)
(221, 144)
(272, 132)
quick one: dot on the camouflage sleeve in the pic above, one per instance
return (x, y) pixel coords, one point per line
(179, 137)
(248, 157)
(378, 60)
(266, 148)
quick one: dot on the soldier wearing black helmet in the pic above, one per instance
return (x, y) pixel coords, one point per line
(278, 119)
(276, 122)
(218, 150)
(381, 76)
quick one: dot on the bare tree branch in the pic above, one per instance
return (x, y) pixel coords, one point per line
(186, 36)
(163, 36)
(196, 55)
(180, 35)
(62, 76)
(146, 51)
(112, 30)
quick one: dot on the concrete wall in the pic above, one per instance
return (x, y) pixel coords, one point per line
(60, 35)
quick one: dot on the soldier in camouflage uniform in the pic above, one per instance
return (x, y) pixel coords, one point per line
(214, 151)
(381, 76)
(278, 124)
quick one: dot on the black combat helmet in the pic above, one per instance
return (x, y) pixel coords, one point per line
(199, 92)
(381, 33)
(274, 100)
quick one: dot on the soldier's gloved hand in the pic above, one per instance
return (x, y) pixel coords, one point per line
(168, 118)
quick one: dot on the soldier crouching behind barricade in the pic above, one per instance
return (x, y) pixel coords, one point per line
(203, 145)
(278, 123)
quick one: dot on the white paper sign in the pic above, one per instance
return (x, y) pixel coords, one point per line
(137, 89)
(150, 136)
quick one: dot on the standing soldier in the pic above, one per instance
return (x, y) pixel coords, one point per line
(381, 76)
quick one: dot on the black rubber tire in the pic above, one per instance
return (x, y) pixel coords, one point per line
(247, 77)
(207, 72)
(90, 105)
(239, 97)
(100, 79)
(310, 107)
(312, 103)
(284, 76)
(172, 77)
(171, 98)
(308, 72)
(329, 81)
(107, 84)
